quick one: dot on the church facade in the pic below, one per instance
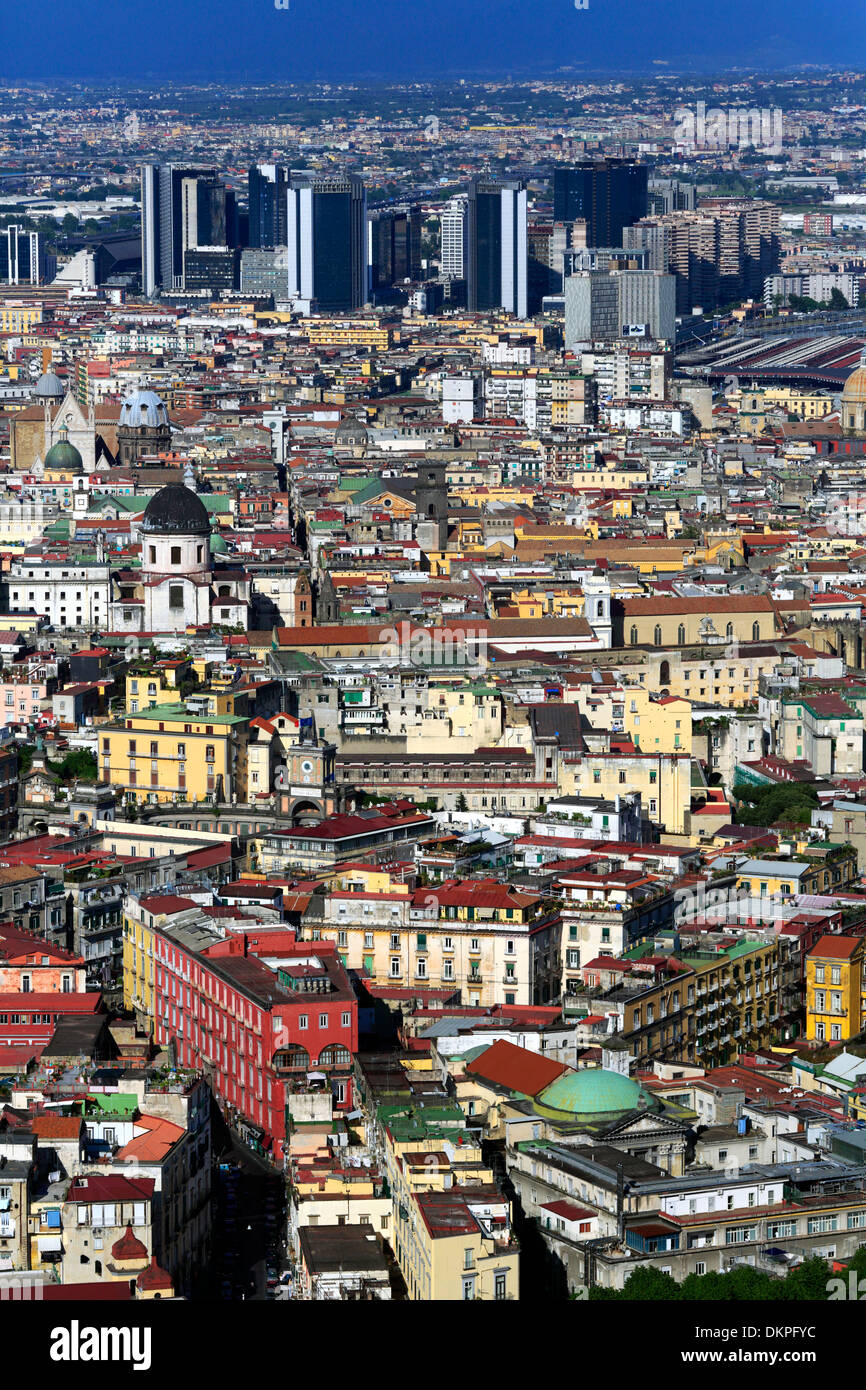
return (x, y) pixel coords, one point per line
(178, 586)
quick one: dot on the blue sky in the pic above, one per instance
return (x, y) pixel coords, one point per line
(249, 39)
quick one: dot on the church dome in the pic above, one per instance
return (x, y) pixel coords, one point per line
(129, 1247)
(176, 511)
(49, 387)
(64, 455)
(143, 408)
(593, 1094)
(351, 433)
(854, 390)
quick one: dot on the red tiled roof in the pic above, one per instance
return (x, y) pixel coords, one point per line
(110, 1188)
(569, 1211)
(835, 947)
(56, 1126)
(129, 1247)
(166, 903)
(153, 1278)
(515, 1068)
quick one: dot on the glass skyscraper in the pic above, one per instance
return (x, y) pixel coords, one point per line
(497, 249)
(608, 193)
(21, 260)
(394, 246)
(268, 187)
(162, 224)
(327, 240)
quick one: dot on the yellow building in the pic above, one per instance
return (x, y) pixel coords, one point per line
(835, 1002)
(367, 878)
(723, 546)
(783, 877)
(145, 690)
(451, 1225)
(723, 673)
(672, 621)
(806, 405)
(458, 717)
(663, 780)
(17, 318)
(348, 333)
(657, 725)
(610, 477)
(168, 754)
(138, 956)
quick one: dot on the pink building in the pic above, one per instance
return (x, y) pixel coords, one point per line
(21, 701)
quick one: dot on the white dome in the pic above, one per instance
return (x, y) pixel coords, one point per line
(143, 408)
(49, 387)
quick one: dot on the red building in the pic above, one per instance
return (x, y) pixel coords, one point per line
(256, 1028)
(39, 983)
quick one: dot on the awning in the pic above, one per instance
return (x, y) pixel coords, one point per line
(49, 1245)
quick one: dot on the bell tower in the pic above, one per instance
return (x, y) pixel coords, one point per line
(431, 506)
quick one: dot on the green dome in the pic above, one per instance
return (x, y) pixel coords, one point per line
(593, 1094)
(218, 545)
(64, 455)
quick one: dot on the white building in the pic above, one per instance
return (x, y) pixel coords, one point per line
(65, 593)
(462, 399)
(452, 221)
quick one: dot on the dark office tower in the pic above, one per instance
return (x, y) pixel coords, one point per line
(394, 246)
(162, 224)
(268, 186)
(327, 240)
(207, 212)
(21, 260)
(609, 193)
(497, 246)
(233, 221)
(211, 268)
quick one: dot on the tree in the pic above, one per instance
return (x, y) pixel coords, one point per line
(808, 1282)
(838, 300)
(79, 763)
(461, 804)
(792, 801)
(649, 1284)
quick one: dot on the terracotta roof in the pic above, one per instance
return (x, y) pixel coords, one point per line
(110, 1188)
(569, 1211)
(515, 1068)
(729, 603)
(129, 1247)
(835, 947)
(158, 1139)
(153, 1278)
(56, 1126)
(166, 903)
